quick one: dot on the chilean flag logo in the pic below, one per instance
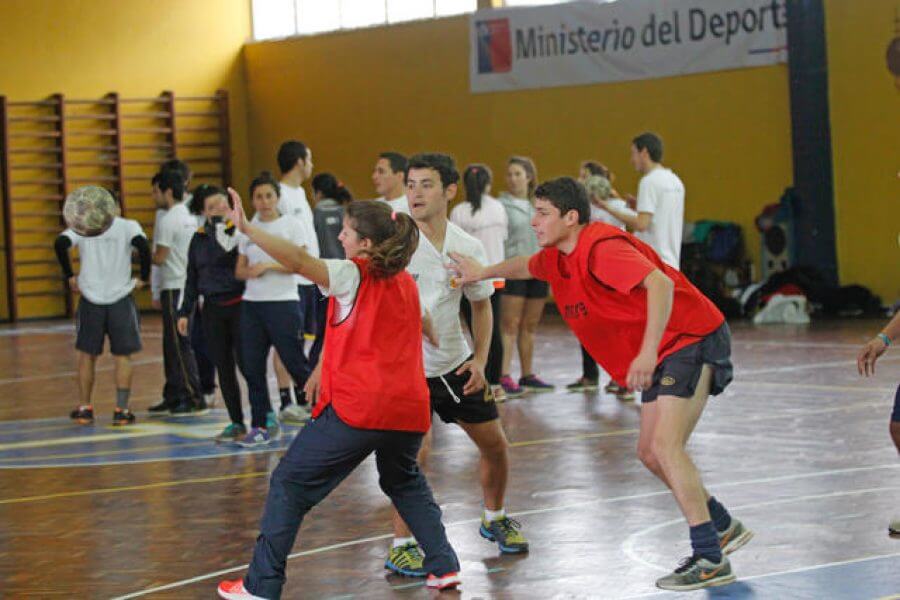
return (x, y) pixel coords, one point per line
(494, 46)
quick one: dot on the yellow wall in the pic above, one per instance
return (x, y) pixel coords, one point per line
(352, 94)
(86, 48)
(865, 128)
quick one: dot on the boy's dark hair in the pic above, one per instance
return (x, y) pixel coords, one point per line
(651, 143)
(566, 194)
(155, 179)
(595, 168)
(397, 161)
(265, 178)
(289, 153)
(442, 163)
(179, 166)
(171, 180)
(204, 191)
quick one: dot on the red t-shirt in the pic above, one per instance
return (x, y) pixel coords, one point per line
(598, 291)
(372, 371)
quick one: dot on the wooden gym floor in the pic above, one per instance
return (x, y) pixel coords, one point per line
(797, 447)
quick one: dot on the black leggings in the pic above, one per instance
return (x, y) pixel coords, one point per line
(222, 328)
(495, 353)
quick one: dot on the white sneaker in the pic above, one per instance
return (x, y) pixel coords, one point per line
(210, 399)
(894, 527)
(294, 414)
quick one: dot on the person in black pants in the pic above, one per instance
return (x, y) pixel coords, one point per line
(212, 257)
(328, 217)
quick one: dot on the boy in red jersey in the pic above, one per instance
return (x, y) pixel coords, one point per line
(374, 301)
(651, 330)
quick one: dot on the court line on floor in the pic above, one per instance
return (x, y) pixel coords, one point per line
(627, 547)
(134, 363)
(548, 509)
(740, 373)
(838, 563)
(133, 488)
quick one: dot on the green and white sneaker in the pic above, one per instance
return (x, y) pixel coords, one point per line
(294, 414)
(232, 433)
(506, 532)
(894, 528)
(408, 560)
(695, 573)
(735, 537)
(272, 425)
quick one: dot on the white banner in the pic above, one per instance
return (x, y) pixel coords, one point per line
(586, 42)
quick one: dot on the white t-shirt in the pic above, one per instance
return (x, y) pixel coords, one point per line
(429, 268)
(489, 225)
(105, 273)
(400, 204)
(343, 284)
(293, 202)
(661, 193)
(272, 286)
(603, 216)
(155, 277)
(176, 228)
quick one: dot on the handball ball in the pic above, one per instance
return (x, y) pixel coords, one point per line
(90, 210)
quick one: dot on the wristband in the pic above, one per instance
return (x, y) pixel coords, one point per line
(884, 338)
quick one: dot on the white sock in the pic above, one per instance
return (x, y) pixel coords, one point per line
(398, 541)
(493, 515)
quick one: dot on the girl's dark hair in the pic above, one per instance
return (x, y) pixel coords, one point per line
(331, 187)
(530, 170)
(265, 178)
(204, 191)
(476, 179)
(394, 235)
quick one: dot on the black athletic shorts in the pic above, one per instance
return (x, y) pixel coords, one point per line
(119, 321)
(895, 414)
(528, 288)
(677, 375)
(452, 405)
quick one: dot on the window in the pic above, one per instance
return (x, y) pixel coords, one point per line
(282, 18)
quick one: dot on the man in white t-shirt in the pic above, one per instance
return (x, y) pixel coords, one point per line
(660, 202)
(106, 307)
(181, 394)
(459, 393)
(205, 367)
(389, 177)
(296, 166)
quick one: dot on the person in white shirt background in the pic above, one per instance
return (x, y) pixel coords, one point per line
(182, 395)
(484, 218)
(270, 311)
(106, 308)
(296, 166)
(660, 201)
(455, 374)
(523, 300)
(205, 367)
(389, 178)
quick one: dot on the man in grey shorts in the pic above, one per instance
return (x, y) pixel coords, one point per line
(106, 308)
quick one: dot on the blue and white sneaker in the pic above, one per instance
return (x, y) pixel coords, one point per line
(255, 437)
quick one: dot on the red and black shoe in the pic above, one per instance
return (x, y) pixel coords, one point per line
(123, 417)
(83, 415)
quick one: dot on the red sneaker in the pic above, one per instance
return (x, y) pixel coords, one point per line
(234, 590)
(444, 582)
